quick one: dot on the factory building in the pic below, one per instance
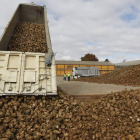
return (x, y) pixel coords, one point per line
(129, 63)
(64, 66)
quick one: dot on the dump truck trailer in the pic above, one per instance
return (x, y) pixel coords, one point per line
(25, 69)
(85, 72)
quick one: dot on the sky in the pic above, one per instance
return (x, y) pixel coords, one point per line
(106, 28)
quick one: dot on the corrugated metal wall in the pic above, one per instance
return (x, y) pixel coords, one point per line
(61, 69)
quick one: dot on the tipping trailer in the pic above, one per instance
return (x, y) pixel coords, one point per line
(21, 72)
(85, 72)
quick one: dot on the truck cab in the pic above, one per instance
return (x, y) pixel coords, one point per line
(74, 73)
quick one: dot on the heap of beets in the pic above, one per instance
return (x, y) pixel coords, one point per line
(115, 116)
(127, 76)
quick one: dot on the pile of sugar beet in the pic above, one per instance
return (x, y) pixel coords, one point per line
(115, 116)
(28, 37)
(127, 76)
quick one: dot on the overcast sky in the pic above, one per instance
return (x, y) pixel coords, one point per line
(107, 28)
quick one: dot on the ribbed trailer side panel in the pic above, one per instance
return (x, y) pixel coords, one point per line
(6, 36)
(34, 14)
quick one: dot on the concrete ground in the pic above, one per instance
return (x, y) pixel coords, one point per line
(85, 88)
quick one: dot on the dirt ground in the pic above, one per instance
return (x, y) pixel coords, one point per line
(84, 88)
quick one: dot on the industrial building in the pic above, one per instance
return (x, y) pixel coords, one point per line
(64, 66)
(129, 63)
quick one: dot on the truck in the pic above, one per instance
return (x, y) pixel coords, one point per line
(24, 68)
(85, 72)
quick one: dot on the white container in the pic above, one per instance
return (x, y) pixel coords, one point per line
(26, 72)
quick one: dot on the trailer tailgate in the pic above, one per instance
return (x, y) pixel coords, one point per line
(25, 73)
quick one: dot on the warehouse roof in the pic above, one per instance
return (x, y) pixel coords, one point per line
(129, 63)
(65, 62)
